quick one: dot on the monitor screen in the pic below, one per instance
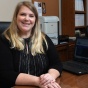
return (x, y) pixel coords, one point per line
(81, 48)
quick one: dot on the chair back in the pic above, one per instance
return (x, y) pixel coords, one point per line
(3, 26)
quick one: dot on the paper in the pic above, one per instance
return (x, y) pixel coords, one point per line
(79, 5)
(38, 6)
(79, 19)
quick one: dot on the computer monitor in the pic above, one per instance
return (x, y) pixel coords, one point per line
(81, 49)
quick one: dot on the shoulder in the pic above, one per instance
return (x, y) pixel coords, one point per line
(3, 40)
(49, 41)
(47, 38)
(50, 44)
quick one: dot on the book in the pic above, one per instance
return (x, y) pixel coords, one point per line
(79, 5)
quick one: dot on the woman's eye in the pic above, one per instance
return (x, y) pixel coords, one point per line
(22, 14)
(31, 16)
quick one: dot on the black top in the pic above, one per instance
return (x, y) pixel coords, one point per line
(12, 62)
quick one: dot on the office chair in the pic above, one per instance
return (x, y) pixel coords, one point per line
(3, 26)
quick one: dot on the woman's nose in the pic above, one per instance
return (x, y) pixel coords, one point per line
(26, 17)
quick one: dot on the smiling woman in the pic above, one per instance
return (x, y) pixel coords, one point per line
(27, 52)
(25, 21)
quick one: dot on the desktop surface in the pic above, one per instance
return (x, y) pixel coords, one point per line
(68, 80)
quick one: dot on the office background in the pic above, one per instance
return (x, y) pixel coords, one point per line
(65, 51)
(7, 9)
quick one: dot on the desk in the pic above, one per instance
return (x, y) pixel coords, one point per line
(66, 51)
(68, 80)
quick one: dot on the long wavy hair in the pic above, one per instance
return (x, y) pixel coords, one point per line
(37, 37)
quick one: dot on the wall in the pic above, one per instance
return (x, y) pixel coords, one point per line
(60, 28)
(87, 11)
(7, 8)
(52, 7)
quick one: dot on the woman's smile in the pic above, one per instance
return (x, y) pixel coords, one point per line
(25, 20)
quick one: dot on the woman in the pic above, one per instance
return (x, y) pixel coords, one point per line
(28, 56)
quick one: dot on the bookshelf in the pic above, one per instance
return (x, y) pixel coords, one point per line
(80, 16)
(70, 12)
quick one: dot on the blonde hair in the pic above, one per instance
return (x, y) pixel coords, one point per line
(37, 36)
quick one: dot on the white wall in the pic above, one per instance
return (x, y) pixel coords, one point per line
(7, 8)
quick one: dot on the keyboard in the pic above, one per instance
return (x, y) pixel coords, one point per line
(75, 67)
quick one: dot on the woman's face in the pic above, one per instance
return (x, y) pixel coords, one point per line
(25, 20)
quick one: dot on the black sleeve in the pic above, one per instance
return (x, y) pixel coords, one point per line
(53, 56)
(7, 73)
